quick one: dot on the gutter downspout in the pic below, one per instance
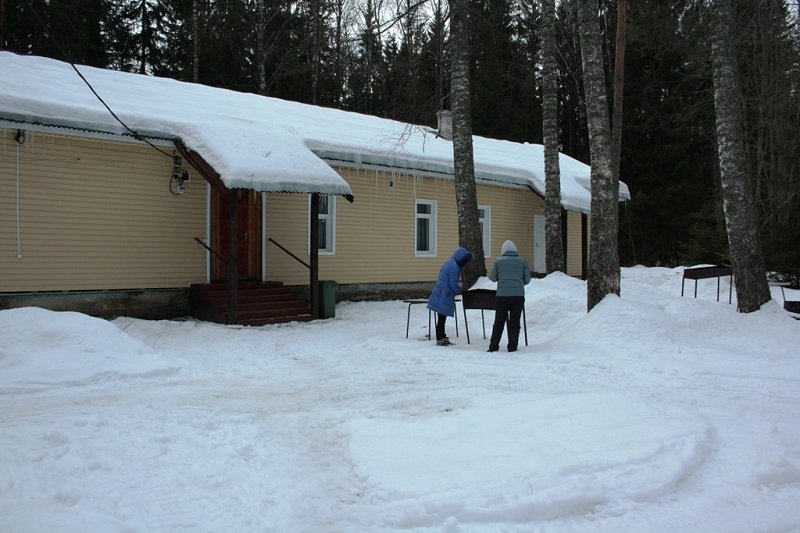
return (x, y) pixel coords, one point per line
(313, 289)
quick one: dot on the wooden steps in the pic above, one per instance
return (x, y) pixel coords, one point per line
(259, 303)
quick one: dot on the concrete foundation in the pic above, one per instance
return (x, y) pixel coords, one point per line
(151, 304)
(160, 304)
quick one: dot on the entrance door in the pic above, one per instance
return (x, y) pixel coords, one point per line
(249, 221)
(539, 247)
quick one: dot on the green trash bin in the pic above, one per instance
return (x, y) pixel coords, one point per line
(327, 299)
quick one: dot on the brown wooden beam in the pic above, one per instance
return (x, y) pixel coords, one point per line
(202, 166)
(233, 256)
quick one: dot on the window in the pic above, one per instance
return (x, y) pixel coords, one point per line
(327, 223)
(485, 221)
(425, 228)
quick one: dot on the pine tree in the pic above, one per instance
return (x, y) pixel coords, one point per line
(435, 57)
(769, 60)
(226, 47)
(61, 29)
(667, 146)
(366, 81)
(572, 112)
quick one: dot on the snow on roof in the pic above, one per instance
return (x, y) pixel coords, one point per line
(263, 143)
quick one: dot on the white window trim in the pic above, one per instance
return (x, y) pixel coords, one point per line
(331, 227)
(487, 230)
(432, 228)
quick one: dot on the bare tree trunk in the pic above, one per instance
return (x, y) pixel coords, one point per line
(315, 45)
(3, 8)
(554, 244)
(741, 222)
(603, 267)
(619, 79)
(196, 41)
(338, 53)
(469, 229)
(144, 20)
(768, 81)
(372, 32)
(261, 47)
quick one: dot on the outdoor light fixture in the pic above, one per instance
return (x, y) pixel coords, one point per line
(179, 175)
(20, 137)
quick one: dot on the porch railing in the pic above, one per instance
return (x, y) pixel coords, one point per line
(207, 247)
(273, 241)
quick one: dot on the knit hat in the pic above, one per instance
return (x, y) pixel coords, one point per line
(508, 246)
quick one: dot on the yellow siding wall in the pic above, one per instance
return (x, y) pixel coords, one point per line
(97, 214)
(375, 234)
(574, 244)
(89, 214)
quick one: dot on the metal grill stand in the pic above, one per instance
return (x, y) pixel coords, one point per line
(485, 299)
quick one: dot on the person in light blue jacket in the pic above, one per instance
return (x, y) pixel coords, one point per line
(511, 273)
(447, 286)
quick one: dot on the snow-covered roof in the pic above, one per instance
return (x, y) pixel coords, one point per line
(262, 143)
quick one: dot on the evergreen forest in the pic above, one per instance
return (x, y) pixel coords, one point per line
(390, 58)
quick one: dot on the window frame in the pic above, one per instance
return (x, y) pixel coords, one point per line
(432, 227)
(330, 226)
(486, 228)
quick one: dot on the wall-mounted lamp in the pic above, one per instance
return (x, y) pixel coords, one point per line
(179, 175)
(20, 136)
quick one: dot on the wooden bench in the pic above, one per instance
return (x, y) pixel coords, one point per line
(485, 299)
(705, 272)
(418, 301)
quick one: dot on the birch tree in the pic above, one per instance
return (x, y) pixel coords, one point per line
(603, 266)
(741, 222)
(437, 51)
(469, 229)
(554, 244)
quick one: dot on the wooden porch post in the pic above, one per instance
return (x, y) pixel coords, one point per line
(233, 256)
(313, 289)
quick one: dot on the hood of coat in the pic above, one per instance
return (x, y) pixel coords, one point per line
(462, 256)
(508, 248)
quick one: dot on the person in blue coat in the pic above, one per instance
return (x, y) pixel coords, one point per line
(447, 286)
(511, 273)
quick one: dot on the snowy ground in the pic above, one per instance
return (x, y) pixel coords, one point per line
(651, 413)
